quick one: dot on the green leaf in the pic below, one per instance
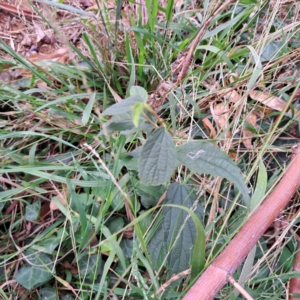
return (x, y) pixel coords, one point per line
(131, 64)
(37, 273)
(149, 194)
(50, 243)
(127, 247)
(137, 111)
(271, 51)
(115, 224)
(158, 158)
(169, 10)
(124, 124)
(32, 211)
(260, 187)
(38, 259)
(90, 265)
(203, 157)
(137, 90)
(30, 277)
(66, 297)
(88, 109)
(47, 294)
(177, 241)
(118, 123)
(123, 106)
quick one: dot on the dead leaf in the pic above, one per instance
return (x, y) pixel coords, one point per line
(230, 94)
(60, 195)
(209, 128)
(269, 100)
(141, 6)
(26, 41)
(109, 4)
(247, 135)
(221, 113)
(43, 85)
(14, 9)
(156, 99)
(40, 34)
(86, 3)
(60, 55)
(5, 76)
(49, 39)
(115, 94)
(45, 210)
(68, 266)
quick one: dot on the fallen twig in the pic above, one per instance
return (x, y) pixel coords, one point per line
(187, 60)
(294, 288)
(218, 272)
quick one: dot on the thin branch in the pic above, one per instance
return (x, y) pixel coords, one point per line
(218, 272)
(188, 59)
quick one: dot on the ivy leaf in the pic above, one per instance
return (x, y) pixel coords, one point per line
(32, 211)
(271, 51)
(37, 273)
(48, 294)
(90, 266)
(172, 240)
(66, 297)
(158, 158)
(49, 244)
(30, 277)
(203, 157)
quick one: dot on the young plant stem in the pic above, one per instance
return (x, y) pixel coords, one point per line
(218, 272)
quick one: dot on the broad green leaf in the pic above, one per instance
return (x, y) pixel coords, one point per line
(137, 90)
(172, 238)
(50, 243)
(29, 277)
(127, 246)
(118, 123)
(158, 158)
(145, 223)
(38, 259)
(37, 273)
(123, 106)
(90, 265)
(115, 224)
(124, 124)
(66, 297)
(115, 245)
(137, 111)
(149, 194)
(271, 51)
(203, 157)
(32, 211)
(47, 294)
(260, 187)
